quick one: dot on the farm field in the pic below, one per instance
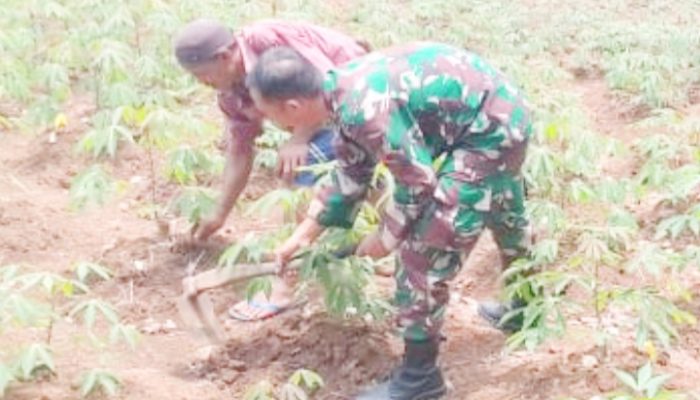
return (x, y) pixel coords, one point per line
(109, 148)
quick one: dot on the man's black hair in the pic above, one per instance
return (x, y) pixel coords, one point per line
(282, 73)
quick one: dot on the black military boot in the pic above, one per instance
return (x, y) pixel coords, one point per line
(417, 378)
(493, 312)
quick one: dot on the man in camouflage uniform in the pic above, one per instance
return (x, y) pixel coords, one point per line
(452, 131)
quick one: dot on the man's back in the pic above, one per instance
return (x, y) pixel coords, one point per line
(324, 48)
(445, 94)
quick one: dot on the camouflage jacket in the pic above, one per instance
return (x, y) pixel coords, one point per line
(407, 107)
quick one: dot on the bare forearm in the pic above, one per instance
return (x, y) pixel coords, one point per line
(307, 232)
(303, 235)
(236, 174)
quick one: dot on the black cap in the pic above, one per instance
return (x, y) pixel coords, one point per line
(200, 41)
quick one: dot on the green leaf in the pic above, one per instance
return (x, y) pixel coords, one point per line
(541, 167)
(194, 203)
(546, 251)
(551, 132)
(104, 139)
(307, 378)
(654, 384)
(621, 397)
(654, 260)
(120, 94)
(89, 316)
(37, 357)
(653, 174)
(90, 309)
(68, 289)
(644, 374)
(343, 281)
(678, 226)
(148, 68)
(134, 116)
(627, 379)
(88, 383)
(580, 192)
(6, 378)
(232, 255)
(252, 249)
(55, 10)
(285, 199)
(26, 311)
(128, 333)
(93, 185)
(261, 284)
(261, 391)
(84, 270)
(98, 380)
(680, 183)
(52, 75)
(160, 126)
(185, 163)
(662, 333)
(613, 191)
(533, 313)
(50, 282)
(694, 226)
(112, 56)
(9, 272)
(290, 391)
(109, 383)
(592, 247)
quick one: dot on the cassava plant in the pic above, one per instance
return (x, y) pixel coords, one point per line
(31, 301)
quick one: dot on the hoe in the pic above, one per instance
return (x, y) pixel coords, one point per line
(195, 305)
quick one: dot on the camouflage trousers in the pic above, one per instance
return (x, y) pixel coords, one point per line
(467, 201)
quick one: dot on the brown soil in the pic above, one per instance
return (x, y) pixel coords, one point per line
(37, 229)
